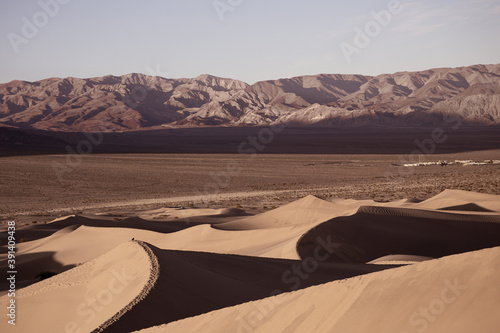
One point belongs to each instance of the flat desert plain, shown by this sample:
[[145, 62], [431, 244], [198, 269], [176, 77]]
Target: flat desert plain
[[252, 243], [38, 188]]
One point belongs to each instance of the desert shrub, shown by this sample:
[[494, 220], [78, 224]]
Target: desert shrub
[[45, 275]]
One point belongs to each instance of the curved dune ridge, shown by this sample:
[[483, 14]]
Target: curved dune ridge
[[451, 198], [153, 278], [75, 221], [193, 283], [306, 211], [387, 231], [328, 261], [458, 294], [400, 259], [87, 298]]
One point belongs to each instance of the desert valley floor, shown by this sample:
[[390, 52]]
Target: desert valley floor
[[37, 188]]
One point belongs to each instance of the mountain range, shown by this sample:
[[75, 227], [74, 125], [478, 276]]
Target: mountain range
[[138, 101]]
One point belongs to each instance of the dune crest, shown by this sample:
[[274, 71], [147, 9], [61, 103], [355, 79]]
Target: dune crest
[[450, 198], [153, 278], [88, 297], [330, 263], [308, 210], [459, 295]]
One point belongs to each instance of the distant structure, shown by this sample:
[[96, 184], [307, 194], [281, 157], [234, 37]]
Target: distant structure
[[456, 162]]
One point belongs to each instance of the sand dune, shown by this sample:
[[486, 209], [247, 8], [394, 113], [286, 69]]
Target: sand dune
[[75, 221], [189, 213], [192, 283], [399, 259], [85, 297], [453, 198], [87, 243], [272, 234], [309, 210], [177, 269], [373, 232], [456, 294]]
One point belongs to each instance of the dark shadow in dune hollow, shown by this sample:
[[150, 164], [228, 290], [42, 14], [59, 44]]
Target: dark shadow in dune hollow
[[29, 266], [374, 232], [193, 283]]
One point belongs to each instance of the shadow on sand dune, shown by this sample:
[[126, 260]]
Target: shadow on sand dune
[[29, 265], [40, 231], [192, 283], [374, 232]]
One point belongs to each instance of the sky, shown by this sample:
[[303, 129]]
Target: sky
[[249, 40]]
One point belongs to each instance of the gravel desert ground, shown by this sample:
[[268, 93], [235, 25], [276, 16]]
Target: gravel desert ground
[[32, 191]]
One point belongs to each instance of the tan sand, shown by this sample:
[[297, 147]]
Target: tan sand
[[85, 297], [456, 294], [452, 198], [307, 211], [182, 269]]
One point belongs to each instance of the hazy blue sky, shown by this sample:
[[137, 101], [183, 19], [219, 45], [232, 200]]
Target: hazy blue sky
[[249, 40]]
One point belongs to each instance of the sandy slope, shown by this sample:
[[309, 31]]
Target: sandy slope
[[64, 250], [87, 296], [195, 268], [182, 213], [365, 229], [306, 211], [272, 234], [456, 294], [453, 198], [192, 283], [374, 232]]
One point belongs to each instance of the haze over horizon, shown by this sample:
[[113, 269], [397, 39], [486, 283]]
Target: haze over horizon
[[245, 40]]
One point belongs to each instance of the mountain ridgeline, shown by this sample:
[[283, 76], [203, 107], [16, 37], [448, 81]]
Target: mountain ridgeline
[[137, 101]]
